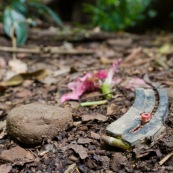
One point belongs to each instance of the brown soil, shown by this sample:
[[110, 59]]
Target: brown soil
[[80, 143]]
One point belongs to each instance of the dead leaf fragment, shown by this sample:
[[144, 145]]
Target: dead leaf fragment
[[165, 48], [19, 79], [162, 61], [95, 135], [3, 124], [105, 60], [111, 109], [97, 116], [17, 155], [71, 168], [23, 93], [132, 83], [18, 66], [2, 62], [5, 168], [132, 57], [84, 141], [80, 150]]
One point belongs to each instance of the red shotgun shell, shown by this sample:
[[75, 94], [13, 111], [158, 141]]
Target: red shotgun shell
[[145, 117]]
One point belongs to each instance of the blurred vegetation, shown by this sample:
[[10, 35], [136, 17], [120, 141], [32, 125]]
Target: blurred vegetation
[[111, 15], [17, 15]]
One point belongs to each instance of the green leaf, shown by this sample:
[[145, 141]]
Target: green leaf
[[14, 18], [7, 21], [46, 10], [21, 30], [20, 7]]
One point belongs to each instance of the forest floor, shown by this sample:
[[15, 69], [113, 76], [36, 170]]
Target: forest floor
[[150, 54]]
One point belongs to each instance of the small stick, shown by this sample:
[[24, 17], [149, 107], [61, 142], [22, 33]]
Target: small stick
[[166, 158], [53, 50]]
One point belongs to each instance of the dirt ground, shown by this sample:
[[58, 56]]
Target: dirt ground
[[80, 145]]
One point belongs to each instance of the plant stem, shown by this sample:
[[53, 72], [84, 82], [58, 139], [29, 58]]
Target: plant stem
[[101, 102], [13, 40]]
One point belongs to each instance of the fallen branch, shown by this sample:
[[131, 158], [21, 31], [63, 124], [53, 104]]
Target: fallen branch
[[166, 158], [79, 35], [53, 50]]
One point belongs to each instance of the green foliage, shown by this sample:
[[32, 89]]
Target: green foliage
[[17, 15], [12, 18], [113, 15]]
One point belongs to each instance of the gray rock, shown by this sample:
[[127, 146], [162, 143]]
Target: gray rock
[[30, 124]]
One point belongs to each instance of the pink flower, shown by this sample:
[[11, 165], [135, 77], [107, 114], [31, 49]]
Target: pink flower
[[91, 82]]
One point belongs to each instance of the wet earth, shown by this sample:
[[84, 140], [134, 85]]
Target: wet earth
[[78, 148]]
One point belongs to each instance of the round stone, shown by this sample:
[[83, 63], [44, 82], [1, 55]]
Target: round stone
[[30, 124]]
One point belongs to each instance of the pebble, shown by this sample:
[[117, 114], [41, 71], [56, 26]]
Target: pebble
[[30, 124]]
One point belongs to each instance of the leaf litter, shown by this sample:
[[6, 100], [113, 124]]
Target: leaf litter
[[84, 138]]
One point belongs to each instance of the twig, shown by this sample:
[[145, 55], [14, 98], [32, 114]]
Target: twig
[[53, 50], [166, 158]]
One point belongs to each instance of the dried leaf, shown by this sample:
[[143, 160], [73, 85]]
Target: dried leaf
[[97, 116], [162, 61], [132, 83], [95, 135], [165, 49], [80, 150], [111, 109], [71, 168], [3, 133], [84, 141], [62, 71], [23, 93], [2, 124], [132, 57], [105, 60], [18, 66], [17, 155], [2, 62], [19, 79]]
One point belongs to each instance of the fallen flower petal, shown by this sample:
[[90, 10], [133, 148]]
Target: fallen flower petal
[[70, 96], [75, 84], [116, 65], [101, 74]]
